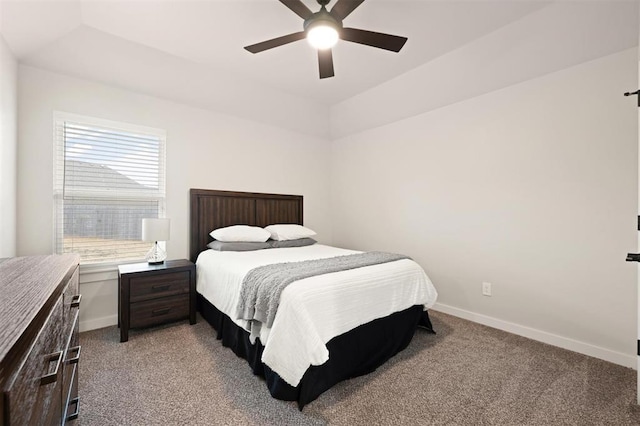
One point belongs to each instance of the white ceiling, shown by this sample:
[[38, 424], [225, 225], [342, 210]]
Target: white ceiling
[[197, 45]]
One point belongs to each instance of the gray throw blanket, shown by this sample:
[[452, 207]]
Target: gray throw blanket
[[261, 288]]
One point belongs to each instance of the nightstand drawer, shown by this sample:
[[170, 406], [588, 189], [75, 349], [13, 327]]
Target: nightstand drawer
[[154, 286], [157, 311]]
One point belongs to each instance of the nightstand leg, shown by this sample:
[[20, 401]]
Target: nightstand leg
[[124, 283], [192, 298], [119, 303]]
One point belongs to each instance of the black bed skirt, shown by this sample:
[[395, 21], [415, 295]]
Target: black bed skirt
[[357, 352]]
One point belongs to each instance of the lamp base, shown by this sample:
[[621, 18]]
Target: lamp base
[[156, 255]]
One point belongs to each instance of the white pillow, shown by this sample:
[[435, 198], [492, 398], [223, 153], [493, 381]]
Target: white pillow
[[245, 233], [289, 232]]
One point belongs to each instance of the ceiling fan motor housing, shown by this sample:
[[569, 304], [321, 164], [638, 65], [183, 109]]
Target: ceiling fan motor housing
[[322, 17]]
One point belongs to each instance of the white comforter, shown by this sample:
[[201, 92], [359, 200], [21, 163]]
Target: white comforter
[[314, 310]]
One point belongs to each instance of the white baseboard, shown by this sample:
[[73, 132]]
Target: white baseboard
[[541, 336], [95, 323], [530, 333]]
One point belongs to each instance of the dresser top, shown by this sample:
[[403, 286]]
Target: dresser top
[[27, 285]]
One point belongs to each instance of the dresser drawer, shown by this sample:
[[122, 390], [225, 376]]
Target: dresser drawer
[[71, 302], [34, 394], [156, 311], [70, 372], [159, 285]]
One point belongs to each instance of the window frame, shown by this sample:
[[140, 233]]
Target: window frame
[[59, 120]]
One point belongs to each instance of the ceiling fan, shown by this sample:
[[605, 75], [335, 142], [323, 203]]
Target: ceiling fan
[[323, 29]]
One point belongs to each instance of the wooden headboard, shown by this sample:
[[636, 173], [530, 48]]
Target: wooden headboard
[[212, 209]]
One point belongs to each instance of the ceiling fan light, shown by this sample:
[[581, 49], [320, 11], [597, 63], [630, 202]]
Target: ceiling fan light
[[322, 36]]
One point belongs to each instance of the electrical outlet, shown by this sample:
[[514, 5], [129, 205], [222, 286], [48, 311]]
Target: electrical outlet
[[486, 289]]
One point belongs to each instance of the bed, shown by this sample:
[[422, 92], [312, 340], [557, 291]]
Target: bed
[[294, 373]]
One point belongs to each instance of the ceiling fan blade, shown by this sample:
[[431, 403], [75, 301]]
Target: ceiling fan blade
[[343, 8], [325, 62], [275, 42], [298, 8], [371, 38]]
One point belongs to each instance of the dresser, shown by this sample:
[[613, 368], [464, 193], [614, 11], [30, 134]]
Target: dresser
[[151, 294], [39, 340]]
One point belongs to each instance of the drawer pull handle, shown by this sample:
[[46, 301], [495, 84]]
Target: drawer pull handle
[[75, 414], [158, 312], [161, 287], [76, 358], [52, 377], [75, 301]]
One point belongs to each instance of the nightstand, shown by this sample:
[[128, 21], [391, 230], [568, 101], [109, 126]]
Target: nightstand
[[154, 294]]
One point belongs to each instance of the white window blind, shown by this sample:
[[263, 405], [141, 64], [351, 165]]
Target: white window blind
[[107, 177]]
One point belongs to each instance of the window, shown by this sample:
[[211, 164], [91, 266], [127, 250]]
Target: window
[[107, 177]]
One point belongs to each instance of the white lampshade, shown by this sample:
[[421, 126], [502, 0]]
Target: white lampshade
[[155, 229]]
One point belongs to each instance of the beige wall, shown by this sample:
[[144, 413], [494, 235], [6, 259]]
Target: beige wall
[[204, 150], [533, 188], [8, 146]]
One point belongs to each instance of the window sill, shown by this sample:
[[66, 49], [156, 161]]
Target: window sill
[[97, 272]]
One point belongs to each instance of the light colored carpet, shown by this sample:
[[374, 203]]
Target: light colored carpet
[[467, 374]]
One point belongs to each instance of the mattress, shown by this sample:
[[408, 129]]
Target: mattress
[[314, 310]]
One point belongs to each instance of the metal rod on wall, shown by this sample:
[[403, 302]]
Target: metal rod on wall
[[636, 93]]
